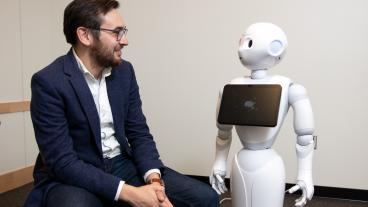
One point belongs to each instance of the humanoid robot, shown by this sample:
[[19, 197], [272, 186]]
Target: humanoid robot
[[257, 175]]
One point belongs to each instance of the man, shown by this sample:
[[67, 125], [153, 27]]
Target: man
[[95, 146]]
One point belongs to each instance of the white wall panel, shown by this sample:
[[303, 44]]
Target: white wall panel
[[42, 35], [10, 52], [36, 36], [12, 146]]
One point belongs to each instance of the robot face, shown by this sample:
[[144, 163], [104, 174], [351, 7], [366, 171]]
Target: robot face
[[262, 46]]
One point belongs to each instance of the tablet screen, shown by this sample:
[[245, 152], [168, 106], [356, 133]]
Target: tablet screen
[[250, 105]]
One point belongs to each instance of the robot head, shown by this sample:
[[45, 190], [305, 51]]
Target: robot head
[[262, 46]]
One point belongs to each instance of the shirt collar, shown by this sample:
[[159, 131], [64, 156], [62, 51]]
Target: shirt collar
[[106, 72]]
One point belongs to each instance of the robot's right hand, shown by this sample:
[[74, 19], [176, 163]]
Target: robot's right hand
[[217, 180], [302, 200]]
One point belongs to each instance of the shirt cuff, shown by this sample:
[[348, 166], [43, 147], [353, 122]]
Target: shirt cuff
[[150, 172], [120, 187]]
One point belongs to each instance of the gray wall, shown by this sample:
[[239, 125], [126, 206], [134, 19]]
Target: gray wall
[[184, 52]]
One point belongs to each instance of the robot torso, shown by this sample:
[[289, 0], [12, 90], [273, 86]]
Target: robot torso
[[257, 137]]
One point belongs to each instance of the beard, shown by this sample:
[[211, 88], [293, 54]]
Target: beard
[[105, 56]]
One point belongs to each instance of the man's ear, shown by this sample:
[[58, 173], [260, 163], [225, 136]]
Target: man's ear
[[84, 36]]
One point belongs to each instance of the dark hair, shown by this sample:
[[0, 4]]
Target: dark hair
[[85, 13]]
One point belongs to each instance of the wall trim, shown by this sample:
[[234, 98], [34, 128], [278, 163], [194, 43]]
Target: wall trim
[[12, 107], [320, 191], [15, 179]]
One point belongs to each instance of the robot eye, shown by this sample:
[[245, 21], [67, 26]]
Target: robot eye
[[250, 43]]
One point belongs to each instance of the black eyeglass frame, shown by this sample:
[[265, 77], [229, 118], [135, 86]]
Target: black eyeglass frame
[[119, 31]]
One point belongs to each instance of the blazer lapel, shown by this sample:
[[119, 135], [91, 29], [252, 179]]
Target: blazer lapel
[[85, 97], [114, 93]]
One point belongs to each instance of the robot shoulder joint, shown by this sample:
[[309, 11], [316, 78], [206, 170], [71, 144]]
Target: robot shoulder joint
[[297, 92]]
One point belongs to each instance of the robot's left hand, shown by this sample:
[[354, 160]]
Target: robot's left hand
[[307, 193], [217, 180]]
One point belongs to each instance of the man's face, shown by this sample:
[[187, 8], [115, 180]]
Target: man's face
[[106, 50]]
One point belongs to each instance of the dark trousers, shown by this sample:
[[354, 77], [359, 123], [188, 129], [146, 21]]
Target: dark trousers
[[180, 189]]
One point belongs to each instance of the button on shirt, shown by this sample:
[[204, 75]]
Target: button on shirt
[[110, 145]]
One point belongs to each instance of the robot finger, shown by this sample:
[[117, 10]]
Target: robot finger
[[222, 187], [293, 189], [298, 199], [301, 201], [215, 188], [219, 178], [225, 188], [221, 184]]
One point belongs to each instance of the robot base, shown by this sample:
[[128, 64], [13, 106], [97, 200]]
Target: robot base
[[257, 179]]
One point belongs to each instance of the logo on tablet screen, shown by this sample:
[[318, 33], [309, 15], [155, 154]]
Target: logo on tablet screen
[[250, 105]]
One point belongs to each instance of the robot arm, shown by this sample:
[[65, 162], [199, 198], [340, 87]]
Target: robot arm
[[304, 128], [223, 142]]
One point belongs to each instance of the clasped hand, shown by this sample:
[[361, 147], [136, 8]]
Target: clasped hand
[[152, 195]]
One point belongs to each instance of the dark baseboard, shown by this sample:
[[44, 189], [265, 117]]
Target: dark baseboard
[[320, 191]]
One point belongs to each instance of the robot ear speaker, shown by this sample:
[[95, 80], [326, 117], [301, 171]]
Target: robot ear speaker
[[276, 48]]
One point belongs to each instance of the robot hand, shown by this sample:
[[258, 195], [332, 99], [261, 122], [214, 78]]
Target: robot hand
[[217, 180], [307, 192], [217, 177], [304, 178]]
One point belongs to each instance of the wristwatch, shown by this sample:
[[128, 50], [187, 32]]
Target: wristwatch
[[156, 180]]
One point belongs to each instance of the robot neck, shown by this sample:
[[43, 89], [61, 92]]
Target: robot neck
[[259, 74]]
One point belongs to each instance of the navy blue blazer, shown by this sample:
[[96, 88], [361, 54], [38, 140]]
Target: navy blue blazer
[[67, 129]]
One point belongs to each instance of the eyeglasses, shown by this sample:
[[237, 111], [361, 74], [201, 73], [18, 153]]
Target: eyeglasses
[[120, 32]]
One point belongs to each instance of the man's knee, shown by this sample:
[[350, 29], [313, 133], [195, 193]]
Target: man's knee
[[70, 196], [205, 196], [210, 198]]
